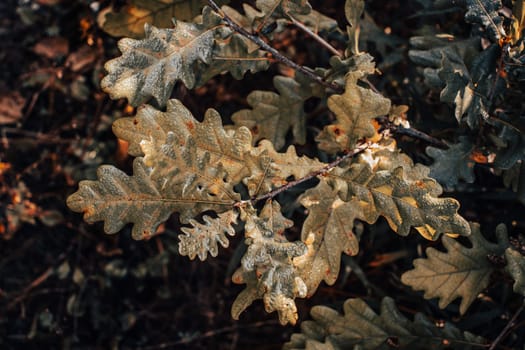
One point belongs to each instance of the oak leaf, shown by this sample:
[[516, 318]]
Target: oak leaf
[[273, 114], [460, 271], [354, 111], [201, 239], [452, 164], [516, 268], [228, 148], [174, 175], [329, 224], [485, 13], [267, 267], [129, 20], [359, 327], [387, 183]]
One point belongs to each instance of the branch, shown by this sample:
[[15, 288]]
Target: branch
[[314, 35], [507, 327], [321, 172], [411, 132], [278, 56]]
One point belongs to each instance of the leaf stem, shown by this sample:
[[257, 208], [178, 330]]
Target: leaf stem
[[315, 36], [276, 54], [321, 172]]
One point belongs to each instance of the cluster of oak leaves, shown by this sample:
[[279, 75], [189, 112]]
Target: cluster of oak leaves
[[191, 167]]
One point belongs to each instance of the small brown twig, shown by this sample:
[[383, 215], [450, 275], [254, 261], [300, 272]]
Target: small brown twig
[[411, 132], [315, 36], [507, 327], [414, 133], [324, 170], [276, 54]]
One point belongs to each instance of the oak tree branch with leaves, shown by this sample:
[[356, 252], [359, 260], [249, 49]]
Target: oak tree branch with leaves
[[225, 180]]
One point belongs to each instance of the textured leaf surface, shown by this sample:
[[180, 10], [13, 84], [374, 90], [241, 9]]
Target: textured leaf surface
[[147, 200], [459, 272], [452, 164], [209, 135], [330, 223], [386, 183], [190, 52], [176, 174], [129, 21], [201, 239], [273, 114], [149, 68], [267, 267], [270, 169], [119, 199], [234, 55], [361, 328], [485, 13], [354, 111], [516, 268]]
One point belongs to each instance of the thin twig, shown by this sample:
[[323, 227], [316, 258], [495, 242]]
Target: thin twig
[[411, 132], [324, 170], [276, 54], [507, 327], [315, 36], [419, 135]]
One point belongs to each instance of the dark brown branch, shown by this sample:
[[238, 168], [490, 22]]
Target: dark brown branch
[[276, 54], [414, 133], [507, 327], [315, 36], [411, 132], [324, 170]]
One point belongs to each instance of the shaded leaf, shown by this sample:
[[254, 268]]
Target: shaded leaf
[[354, 9], [463, 73], [329, 224], [361, 328], [233, 55], [339, 67], [273, 114], [200, 239], [511, 147], [485, 13], [459, 272], [11, 107], [429, 51], [469, 91], [267, 267], [317, 21], [452, 164], [279, 8], [516, 268], [354, 111], [129, 21]]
